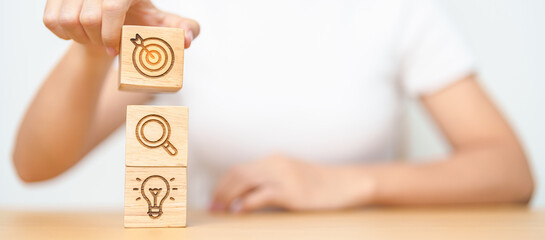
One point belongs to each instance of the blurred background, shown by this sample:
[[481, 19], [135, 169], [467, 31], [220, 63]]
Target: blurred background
[[506, 38]]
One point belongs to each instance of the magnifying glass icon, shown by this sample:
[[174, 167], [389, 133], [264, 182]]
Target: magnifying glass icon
[[155, 143]]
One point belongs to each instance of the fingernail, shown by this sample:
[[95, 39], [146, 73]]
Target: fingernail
[[236, 207], [189, 37], [190, 33], [111, 51], [216, 207]]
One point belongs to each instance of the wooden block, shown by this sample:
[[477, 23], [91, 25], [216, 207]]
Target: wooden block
[[156, 136], [155, 196], [151, 59]]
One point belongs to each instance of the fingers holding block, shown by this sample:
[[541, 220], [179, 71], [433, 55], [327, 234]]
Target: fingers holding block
[[155, 196], [151, 59], [156, 136]]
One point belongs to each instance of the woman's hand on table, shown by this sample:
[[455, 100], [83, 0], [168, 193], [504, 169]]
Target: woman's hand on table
[[282, 182], [99, 21]]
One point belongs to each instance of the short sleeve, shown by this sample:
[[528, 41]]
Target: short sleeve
[[433, 54]]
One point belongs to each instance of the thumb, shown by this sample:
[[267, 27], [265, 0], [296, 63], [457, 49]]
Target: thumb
[[190, 26]]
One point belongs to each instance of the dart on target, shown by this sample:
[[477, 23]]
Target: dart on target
[[152, 57]]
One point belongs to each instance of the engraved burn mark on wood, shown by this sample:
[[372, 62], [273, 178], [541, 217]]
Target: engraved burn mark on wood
[[163, 141]]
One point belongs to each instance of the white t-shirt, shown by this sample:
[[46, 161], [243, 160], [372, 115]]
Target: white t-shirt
[[321, 81]]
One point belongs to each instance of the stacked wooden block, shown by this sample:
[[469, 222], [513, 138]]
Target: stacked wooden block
[[151, 59]]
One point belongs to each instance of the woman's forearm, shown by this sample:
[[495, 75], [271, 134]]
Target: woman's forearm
[[486, 174], [56, 124]]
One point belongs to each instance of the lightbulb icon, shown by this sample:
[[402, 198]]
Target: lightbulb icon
[[155, 190]]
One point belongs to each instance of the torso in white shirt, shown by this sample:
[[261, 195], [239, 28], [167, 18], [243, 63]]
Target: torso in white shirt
[[320, 81]]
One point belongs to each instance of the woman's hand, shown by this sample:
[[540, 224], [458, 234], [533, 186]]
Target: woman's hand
[[281, 182], [99, 21]]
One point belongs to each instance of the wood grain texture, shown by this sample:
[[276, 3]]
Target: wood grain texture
[[147, 139], [167, 208], [491, 222], [151, 59]]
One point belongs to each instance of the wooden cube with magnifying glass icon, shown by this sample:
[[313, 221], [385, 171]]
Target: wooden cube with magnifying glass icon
[[156, 136], [155, 196], [151, 59]]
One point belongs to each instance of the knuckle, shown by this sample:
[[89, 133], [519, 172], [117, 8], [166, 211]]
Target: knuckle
[[249, 180], [90, 18], [276, 158], [68, 20], [250, 205], [267, 196], [50, 21], [112, 6], [238, 171], [285, 162], [293, 205], [242, 176]]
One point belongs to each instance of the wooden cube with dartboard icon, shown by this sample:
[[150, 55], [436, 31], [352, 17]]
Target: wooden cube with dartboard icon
[[151, 59], [155, 196], [156, 136]]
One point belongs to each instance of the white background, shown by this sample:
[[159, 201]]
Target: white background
[[507, 38]]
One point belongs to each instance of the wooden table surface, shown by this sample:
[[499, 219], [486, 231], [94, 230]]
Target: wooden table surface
[[492, 222]]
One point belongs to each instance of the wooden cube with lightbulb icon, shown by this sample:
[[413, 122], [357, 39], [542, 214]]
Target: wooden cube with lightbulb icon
[[156, 136], [151, 59], [155, 196]]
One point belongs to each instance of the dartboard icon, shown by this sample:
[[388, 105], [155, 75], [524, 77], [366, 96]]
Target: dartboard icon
[[152, 57]]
